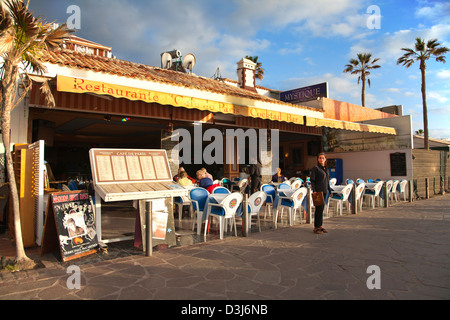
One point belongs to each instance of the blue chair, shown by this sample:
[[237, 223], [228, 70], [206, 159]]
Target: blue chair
[[292, 203], [359, 181], [72, 185], [198, 197], [221, 190], [284, 186], [270, 192], [349, 181], [225, 182], [224, 210]]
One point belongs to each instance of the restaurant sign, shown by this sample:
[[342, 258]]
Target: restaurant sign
[[305, 93], [78, 85]]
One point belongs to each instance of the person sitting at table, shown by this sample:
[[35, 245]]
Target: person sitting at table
[[184, 180], [203, 180], [278, 177], [177, 176], [207, 174]]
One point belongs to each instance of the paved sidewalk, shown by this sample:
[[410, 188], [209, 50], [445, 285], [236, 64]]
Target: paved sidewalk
[[409, 242]]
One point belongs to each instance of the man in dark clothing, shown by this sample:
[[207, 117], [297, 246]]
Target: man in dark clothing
[[255, 175]]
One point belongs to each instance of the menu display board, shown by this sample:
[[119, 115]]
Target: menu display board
[[130, 165]]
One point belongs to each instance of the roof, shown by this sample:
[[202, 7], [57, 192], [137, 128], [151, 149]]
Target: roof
[[73, 59]]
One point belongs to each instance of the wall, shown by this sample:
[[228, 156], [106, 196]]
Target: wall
[[431, 164], [372, 164]]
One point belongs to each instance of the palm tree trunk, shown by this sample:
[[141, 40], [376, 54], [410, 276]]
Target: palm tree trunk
[[8, 95], [363, 93], [425, 109]]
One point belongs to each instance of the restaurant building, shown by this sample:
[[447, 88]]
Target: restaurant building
[[104, 102]]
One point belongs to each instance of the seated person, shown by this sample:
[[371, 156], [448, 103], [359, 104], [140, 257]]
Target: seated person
[[203, 180], [177, 176], [183, 180], [207, 174], [278, 177]]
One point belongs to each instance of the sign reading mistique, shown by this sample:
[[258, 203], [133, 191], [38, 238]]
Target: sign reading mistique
[[78, 85]]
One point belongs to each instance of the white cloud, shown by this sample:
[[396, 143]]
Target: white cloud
[[444, 74]]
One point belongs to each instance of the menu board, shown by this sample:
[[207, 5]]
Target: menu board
[[129, 165]]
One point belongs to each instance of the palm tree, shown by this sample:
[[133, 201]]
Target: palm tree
[[361, 66], [23, 40], [422, 52], [259, 72]]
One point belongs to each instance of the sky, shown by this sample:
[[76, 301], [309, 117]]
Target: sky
[[298, 42]]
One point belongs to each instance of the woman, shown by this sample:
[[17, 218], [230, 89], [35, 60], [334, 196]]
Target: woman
[[320, 182], [278, 177]]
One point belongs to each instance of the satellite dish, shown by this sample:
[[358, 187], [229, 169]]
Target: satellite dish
[[189, 61], [176, 54], [166, 60]]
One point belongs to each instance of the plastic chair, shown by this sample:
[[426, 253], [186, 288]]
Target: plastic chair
[[333, 182], [255, 203], [180, 203], [198, 197], [359, 190], [341, 197], [296, 184], [221, 190], [359, 180], [292, 203], [388, 187], [224, 210], [284, 185], [373, 192], [225, 182], [403, 185], [243, 183], [349, 181], [270, 192], [394, 192]]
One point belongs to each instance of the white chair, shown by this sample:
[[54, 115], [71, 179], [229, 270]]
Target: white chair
[[388, 185], [394, 192], [296, 184], [292, 203], [271, 193], [403, 185], [373, 193], [243, 183], [333, 182], [291, 180], [180, 203], [359, 190], [341, 197], [224, 210], [255, 203], [198, 197]]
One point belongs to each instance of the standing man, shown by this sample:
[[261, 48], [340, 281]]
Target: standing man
[[255, 174]]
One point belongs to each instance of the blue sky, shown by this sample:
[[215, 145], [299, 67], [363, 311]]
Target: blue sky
[[299, 42]]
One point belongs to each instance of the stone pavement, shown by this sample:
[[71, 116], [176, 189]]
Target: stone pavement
[[409, 242]]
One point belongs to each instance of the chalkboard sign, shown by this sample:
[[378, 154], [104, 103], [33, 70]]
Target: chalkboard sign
[[70, 224], [398, 164]]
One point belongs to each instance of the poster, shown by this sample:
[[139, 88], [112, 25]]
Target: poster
[[74, 220]]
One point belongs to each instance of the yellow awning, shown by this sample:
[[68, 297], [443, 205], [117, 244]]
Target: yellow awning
[[78, 85], [346, 125]]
